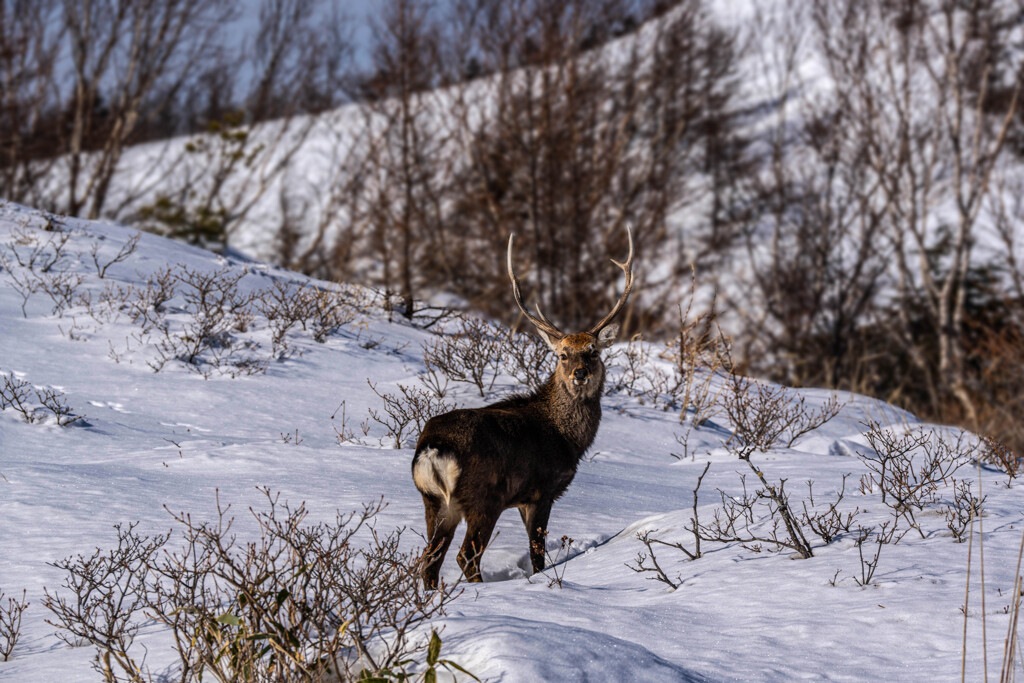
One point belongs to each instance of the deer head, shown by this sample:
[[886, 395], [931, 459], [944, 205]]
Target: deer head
[[580, 368]]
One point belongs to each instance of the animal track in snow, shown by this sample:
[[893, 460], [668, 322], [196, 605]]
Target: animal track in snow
[[117, 407]]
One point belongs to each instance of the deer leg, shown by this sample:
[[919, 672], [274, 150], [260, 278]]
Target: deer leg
[[535, 518], [479, 526], [441, 523]]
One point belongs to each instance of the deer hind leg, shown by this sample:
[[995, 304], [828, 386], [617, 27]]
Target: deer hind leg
[[479, 526], [442, 519], [535, 519]]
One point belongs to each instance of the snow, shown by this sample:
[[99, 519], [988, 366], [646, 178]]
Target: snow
[[175, 439]]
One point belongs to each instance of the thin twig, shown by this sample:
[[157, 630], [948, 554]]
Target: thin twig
[[981, 563], [1007, 672], [967, 595]]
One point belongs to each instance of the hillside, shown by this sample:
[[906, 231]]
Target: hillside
[[842, 179], [176, 438]]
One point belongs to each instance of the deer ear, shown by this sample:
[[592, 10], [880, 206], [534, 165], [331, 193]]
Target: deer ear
[[606, 337], [547, 340]]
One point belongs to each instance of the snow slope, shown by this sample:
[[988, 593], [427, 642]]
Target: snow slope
[[174, 438]]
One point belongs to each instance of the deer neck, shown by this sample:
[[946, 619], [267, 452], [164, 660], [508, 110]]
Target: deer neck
[[575, 417]]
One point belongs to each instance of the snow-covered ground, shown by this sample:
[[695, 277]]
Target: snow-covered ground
[[149, 439]]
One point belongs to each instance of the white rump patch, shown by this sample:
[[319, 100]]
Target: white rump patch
[[435, 474]]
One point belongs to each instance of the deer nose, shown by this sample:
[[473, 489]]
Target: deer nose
[[579, 373]]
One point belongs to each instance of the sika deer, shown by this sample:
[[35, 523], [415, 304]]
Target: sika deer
[[520, 452]]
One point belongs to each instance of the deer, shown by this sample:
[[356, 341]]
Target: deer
[[520, 452]]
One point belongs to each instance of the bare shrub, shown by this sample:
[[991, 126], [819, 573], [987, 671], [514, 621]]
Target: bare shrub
[[56, 404], [998, 454], [144, 305], [161, 287], [320, 310], [216, 294], [435, 380], [10, 623], [631, 364], [126, 250], [407, 412], [664, 387], [14, 393], [758, 519], [649, 382], [331, 309], [699, 353], [472, 354], [22, 280], [36, 255], [647, 562], [766, 415], [62, 288], [284, 305], [36, 265], [303, 602], [908, 468], [17, 394], [698, 397], [525, 357], [555, 564], [961, 512], [103, 598], [291, 437], [206, 340], [76, 331], [830, 522], [883, 535], [342, 432], [762, 417]]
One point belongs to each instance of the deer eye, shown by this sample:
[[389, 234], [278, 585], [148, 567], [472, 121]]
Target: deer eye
[[563, 356]]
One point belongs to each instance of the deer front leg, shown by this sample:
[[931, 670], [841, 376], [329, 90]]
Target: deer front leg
[[479, 525], [535, 518]]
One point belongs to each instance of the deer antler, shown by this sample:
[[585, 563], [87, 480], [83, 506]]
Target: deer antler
[[627, 268], [539, 320]]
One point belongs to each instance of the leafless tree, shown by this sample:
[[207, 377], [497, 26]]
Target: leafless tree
[[880, 177], [569, 138], [813, 240], [409, 164], [297, 63], [29, 44], [919, 77], [128, 59]]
